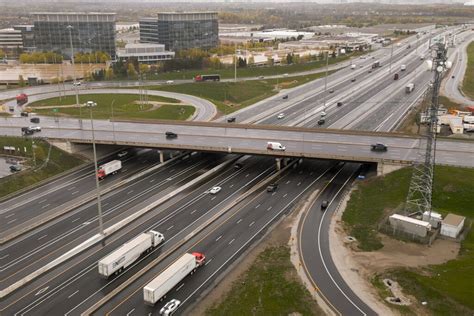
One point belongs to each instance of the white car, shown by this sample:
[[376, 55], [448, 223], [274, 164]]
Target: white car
[[76, 83], [169, 81], [170, 307], [285, 75], [280, 116], [323, 114], [35, 128], [123, 153], [215, 190]]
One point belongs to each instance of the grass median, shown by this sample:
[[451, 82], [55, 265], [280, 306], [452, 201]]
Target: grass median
[[269, 287], [447, 287], [468, 81], [124, 106], [48, 163]]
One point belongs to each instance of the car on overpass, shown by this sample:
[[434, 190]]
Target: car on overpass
[[280, 116], [171, 135], [378, 147], [215, 190]]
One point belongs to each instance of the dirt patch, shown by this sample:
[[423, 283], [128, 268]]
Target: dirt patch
[[277, 237]]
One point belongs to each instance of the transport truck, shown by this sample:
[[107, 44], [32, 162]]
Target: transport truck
[[410, 87], [158, 287], [128, 253], [21, 99], [207, 78], [112, 167]]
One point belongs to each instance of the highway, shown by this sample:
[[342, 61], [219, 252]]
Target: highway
[[75, 285]]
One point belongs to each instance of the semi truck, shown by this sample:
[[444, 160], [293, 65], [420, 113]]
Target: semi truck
[[158, 287], [207, 78], [128, 253], [112, 167], [410, 87], [21, 99]]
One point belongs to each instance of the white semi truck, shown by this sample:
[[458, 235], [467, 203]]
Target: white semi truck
[[128, 253], [112, 167], [187, 264]]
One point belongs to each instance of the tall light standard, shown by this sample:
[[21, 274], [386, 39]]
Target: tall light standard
[[326, 80], [90, 105], [69, 27], [113, 123]]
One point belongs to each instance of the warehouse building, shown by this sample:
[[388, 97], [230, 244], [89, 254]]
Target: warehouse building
[[452, 225]]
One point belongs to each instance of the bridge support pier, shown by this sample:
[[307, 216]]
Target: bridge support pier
[[162, 156], [278, 163], [384, 168]]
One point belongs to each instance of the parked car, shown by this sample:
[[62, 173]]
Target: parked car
[[378, 147], [215, 190], [324, 205], [170, 307], [280, 116], [171, 135], [15, 168], [76, 83], [231, 120], [272, 187]]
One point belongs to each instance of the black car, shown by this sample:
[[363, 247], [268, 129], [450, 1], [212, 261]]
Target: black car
[[27, 131], [353, 79], [15, 168], [324, 205], [171, 135], [378, 147], [285, 97], [24, 113], [231, 120], [272, 187], [321, 121], [35, 120], [339, 104], [331, 91]]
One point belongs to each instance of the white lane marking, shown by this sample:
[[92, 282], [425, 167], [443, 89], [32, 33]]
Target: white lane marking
[[75, 192], [42, 290], [11, 221], [9, 215], [230, 186], [288, 182], [169, 179], [124, 169], [152, 180], [105, 204], [42, 201], [269, 208], [257, 206], [285, 195], [299, 183], [251, 223], [230, 242], [179, 287], [238, 222], [311, 173], [73, 294], [274, 193], [130, 312], [193, 211], [129, 192], [75, 220], [170, 227], [4, 256], [208, 261], [42, 237], [213, 198], [44, 206], [219, 238], [71, 188], [247, 175], [86, 223]]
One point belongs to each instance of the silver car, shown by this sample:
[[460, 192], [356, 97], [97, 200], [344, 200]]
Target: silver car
[[170, 307]]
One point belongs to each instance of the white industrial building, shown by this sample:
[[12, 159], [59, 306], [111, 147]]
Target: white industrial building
[[409, 225], [452, 225], [145, 53], [433, 218]]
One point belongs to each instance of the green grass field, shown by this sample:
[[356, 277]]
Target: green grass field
[[125, 106], [230, 96], [59, 161], [448, 288], [468, 82], [268, 287]]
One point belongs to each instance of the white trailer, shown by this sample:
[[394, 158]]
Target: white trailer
[[187, 264], [112, 167], [128, 253]]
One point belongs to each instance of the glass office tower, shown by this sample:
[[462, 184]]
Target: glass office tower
[[90, 32]]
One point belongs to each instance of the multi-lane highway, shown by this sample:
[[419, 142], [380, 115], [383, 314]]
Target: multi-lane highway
[[198, 221]]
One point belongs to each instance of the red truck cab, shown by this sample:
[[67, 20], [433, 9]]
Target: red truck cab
[[21, 99], [200, 258]]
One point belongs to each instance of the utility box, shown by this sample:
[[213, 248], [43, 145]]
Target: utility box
[[409, 225], [433, 218], [452, 225]]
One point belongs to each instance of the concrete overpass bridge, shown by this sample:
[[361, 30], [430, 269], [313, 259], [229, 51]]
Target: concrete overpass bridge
[[251, 139]]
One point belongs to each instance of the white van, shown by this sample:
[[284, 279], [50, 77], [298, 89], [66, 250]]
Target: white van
[[275, 146]]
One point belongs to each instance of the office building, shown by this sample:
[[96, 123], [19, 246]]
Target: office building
[[145, 53], [27, 35], [90, 32], [181, 30], [11, 42]]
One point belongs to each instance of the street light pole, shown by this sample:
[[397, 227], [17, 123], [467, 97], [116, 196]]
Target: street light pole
[[326, 80], [90, 105], [391, 55], [69, 27], [113, 123]]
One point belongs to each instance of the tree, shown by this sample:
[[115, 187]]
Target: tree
[[242, 63], [289, 58], [21, 81], [109, 74], [131, 71], [251, 60]]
